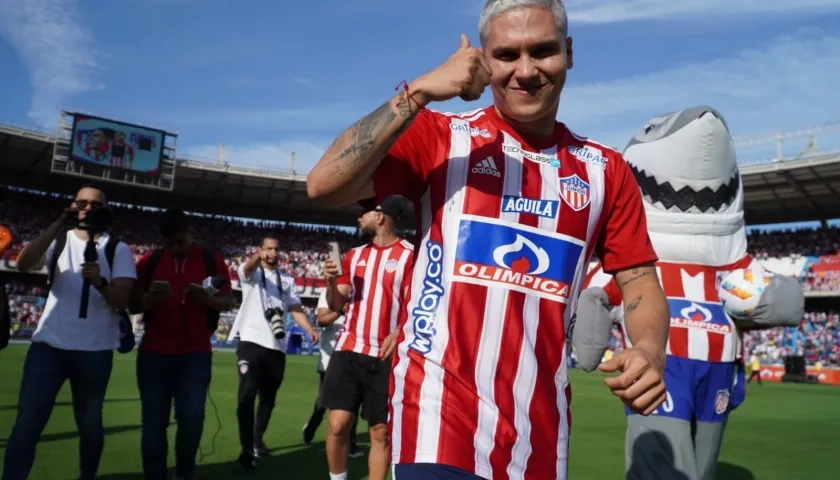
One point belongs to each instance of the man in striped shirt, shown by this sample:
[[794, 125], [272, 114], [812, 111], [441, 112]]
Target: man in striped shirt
[[372, 282], [511, 205]]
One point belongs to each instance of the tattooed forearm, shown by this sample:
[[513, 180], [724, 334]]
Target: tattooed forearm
[[632, 306], [365, 145], [635, 274]]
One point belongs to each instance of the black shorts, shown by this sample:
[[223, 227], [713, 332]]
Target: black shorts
[[354, 380]]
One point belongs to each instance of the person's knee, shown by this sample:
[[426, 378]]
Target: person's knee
[[339, 422], [379, 434]]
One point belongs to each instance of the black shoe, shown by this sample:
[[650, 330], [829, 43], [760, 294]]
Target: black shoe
[[247, 461], [260, 450], [307, 434]]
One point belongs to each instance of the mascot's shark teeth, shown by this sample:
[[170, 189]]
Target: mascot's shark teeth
[[686, 199]]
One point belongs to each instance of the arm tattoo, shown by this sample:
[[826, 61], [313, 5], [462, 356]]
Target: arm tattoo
[[633, 305], [637, 274], [363, 135]]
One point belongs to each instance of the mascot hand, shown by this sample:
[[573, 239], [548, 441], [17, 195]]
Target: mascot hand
[[592, 329], [781, 305]]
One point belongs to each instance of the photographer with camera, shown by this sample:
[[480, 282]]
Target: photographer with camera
[[76, 336], [267, 295], [181, 291]]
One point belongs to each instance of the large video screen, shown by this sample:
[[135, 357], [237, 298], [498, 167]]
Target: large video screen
[[107, 143]]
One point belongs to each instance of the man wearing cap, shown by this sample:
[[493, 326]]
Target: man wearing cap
[[372, 281]]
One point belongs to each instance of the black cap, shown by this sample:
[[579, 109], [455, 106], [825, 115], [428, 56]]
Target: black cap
[[392, 206], [172, 221]]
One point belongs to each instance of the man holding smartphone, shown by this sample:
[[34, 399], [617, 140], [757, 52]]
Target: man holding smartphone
[[267, 295], [175, 355], [373, 280], [65, 346]]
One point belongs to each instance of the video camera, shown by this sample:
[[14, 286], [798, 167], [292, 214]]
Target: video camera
[[97, 220]]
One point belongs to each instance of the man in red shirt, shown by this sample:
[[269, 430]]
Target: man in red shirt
[[373, 281], [511, 207], [175, 357]]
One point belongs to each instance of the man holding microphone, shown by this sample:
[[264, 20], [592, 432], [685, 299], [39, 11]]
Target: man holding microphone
[[267, 295]]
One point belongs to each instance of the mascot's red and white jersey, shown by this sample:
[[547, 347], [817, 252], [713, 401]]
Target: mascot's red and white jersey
[[700, 330]]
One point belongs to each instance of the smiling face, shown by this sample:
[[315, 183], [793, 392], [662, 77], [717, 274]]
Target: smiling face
[[529, 59]]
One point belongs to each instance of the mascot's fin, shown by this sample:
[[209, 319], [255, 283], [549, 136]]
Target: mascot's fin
[[592, 329], [782, 305]]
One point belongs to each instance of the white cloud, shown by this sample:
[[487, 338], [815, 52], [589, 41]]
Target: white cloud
[[265, 155], [787, 83], [611, 11], [55, 48]]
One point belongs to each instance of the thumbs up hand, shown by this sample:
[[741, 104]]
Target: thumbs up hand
[[464, 74]]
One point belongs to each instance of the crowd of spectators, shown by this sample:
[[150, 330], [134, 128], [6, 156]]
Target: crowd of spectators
[[27, 214]]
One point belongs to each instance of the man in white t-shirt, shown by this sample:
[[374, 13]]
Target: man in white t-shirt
[[331, 325], [65, 346], [267, 295]]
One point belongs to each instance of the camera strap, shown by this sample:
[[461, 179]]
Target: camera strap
[[265, 298], [61, 242]]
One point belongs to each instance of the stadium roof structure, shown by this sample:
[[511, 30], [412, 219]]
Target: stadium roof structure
[[777, 191]]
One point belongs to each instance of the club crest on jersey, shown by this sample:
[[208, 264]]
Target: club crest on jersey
[[243, 367], [512, 256], [539, 207], [721, 401], [424, 312], [517, 152], [589, 155], [701, 315], [574, 192], [391, 266], [466, 128]]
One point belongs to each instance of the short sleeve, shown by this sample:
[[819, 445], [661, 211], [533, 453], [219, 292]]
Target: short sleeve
[[124, 263], [48, 254], [141, 269], [406, 167], [222, 270], [613, 293], [290, 295], [344, 278], [322, 301], [624, 240], [240, 272]]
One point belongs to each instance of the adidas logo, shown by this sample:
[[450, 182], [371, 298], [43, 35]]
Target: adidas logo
[[487, 167]]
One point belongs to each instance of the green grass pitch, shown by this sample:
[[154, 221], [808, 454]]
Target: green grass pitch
[[783, 431]]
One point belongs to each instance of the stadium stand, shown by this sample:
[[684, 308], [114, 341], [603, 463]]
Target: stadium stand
[[810, 254]]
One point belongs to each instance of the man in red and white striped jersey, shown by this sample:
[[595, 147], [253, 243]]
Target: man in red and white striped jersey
[[373, 282], [510, 207]]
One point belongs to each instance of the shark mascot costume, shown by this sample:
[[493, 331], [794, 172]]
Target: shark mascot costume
[[684, 164]]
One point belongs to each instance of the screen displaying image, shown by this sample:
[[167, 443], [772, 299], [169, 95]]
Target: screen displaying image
[[112, 144]]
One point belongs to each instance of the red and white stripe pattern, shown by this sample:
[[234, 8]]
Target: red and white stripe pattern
[[694, 283], [377, 276], [492, 395]]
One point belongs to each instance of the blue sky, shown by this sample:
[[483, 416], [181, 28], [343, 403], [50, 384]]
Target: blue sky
[[268, 77]]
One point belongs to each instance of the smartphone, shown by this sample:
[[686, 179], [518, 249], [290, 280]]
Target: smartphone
[[161, 286], [335, 255]]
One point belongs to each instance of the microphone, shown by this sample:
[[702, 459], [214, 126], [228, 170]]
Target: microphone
[[212, 285]]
